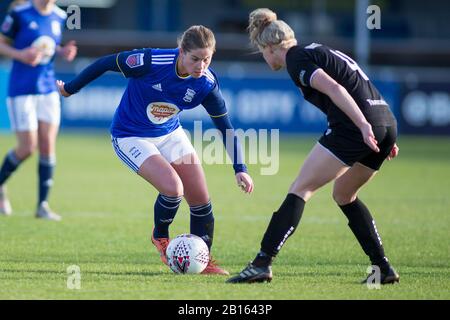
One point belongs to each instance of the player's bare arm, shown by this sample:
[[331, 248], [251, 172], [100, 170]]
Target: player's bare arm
[[322, 82]]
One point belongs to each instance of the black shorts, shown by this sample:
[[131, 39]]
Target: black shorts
[[348, 145]]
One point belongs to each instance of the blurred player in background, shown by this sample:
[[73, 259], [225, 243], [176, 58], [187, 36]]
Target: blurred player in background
[[31, 36], [361, 135], [146, 131]]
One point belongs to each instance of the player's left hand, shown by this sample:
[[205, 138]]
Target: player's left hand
[[245, 182], [394, 152], [69, 51], [62, 91]]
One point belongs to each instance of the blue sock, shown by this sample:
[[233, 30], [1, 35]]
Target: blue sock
[[10, 164], [46, 168], [202, 222], [165, 210]]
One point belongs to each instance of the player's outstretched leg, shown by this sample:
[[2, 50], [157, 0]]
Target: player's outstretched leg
[[281, 226]]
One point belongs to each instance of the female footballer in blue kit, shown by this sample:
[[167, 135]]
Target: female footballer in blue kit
[[34, 29], [361, 135], [146, 131]]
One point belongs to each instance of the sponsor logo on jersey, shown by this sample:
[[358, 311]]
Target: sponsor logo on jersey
[[135, 60], [379, 102], [161, 112], [189, 95], [47, 46]]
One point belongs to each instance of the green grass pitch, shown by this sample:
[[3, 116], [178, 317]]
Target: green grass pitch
[[107, 219]]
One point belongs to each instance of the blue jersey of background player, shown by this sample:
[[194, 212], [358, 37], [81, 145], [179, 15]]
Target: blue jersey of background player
[[146, 130], [31, 36], [30, 28]]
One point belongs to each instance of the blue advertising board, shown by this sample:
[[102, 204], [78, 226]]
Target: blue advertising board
[[425, 109], [258, 103]]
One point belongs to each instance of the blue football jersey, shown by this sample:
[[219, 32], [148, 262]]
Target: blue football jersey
[[156, 94], [26, 27]]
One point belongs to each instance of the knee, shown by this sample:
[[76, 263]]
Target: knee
[[46, 148], [173, 188], [343, 198], [25, 151], [197, 200], [301, 190]]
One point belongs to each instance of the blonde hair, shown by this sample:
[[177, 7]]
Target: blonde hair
[[197, 37], [264, 29]]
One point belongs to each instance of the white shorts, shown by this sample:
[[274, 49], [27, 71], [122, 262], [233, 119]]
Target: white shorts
[[25, 111], [133, 151]]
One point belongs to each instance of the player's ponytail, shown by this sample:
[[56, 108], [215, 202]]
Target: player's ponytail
[[264, 29], [197, 37]]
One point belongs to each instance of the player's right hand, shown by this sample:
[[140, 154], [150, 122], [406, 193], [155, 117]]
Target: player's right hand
[[31, 56], [369, 136], [62, 91], [245, 182]]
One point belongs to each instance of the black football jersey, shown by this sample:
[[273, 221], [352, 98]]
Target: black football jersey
[[303, 61]]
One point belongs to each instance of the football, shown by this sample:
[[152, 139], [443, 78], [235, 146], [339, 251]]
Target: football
[[187, 253]]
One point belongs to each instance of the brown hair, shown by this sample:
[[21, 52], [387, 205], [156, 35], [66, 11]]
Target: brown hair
[[264, 29], [197, 37]]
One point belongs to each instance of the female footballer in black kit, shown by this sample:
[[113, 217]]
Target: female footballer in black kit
[[361, 134]]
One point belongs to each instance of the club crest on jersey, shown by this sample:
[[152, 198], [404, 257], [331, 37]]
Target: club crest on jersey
[[189, 95], [135, 60], [161, 112]]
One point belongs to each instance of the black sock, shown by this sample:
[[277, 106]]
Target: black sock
[[363, 227], [165, 209], [45, 169], [10, 164], [202, 222], [262, 259], [282, 225]]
